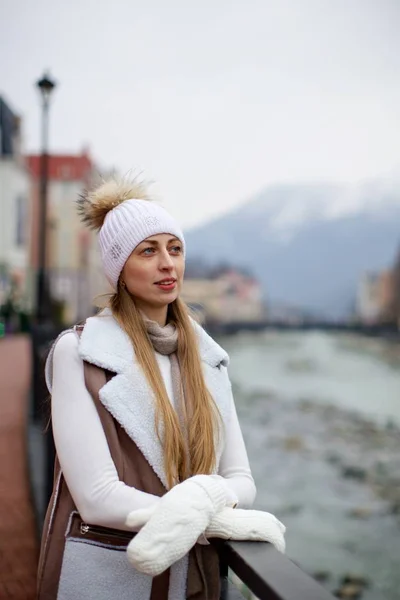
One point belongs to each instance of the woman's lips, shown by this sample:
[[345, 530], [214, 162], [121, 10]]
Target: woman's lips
[[166, 284]]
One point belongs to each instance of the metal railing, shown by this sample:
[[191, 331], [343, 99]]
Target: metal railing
[[267, 573]]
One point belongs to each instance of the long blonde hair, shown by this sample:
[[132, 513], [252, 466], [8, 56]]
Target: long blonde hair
[[202, 416], [203, 420]]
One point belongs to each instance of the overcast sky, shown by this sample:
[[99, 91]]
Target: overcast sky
[[213, 99]]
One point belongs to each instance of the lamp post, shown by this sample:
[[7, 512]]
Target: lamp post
[[46, 86], [43, 329]]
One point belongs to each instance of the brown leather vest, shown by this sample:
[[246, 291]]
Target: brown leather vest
[[133, 469]]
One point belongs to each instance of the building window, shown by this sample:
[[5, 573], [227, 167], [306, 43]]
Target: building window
[[21, 224]]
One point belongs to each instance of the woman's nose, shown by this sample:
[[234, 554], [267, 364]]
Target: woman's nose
[[166, 261]]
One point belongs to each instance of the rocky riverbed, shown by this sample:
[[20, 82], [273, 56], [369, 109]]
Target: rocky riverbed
[[334, 479], [332, 475]]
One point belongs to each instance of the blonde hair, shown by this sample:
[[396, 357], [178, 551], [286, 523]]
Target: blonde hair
[[202, 416]]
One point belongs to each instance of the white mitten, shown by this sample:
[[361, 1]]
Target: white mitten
[[172, 527], [137, 518], [247, 525]]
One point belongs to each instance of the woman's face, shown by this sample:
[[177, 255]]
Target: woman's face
[[153, 273]]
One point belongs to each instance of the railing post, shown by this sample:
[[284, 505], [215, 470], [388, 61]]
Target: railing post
[[223, 573]]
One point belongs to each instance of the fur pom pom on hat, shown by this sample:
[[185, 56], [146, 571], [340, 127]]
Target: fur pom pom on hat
[[94, 205], [124, 215]]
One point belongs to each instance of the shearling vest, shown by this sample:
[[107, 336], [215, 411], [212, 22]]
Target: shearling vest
[[85, 562]]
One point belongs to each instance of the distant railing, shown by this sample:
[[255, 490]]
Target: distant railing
[[266, 572], [388, 330]]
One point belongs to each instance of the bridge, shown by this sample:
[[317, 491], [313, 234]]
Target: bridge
[[389, 331]]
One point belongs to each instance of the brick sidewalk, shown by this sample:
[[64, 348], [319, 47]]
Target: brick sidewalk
[[18, 543]]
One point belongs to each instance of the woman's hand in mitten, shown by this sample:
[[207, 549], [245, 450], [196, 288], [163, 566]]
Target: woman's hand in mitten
[[172, 527], [137, 518], [247, 525]]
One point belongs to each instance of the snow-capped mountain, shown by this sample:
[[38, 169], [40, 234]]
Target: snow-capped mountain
[[308, 244]]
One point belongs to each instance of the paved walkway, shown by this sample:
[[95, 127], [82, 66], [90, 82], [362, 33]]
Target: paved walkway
[[18, 543]]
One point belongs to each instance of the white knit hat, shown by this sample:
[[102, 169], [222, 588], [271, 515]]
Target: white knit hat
[[126, 226]]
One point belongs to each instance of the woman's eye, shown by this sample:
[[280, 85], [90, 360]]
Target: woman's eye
[[148, 251], [176, 249]]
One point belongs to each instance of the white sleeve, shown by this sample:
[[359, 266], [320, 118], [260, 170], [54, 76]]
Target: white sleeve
[[234, 465], [82, 448]]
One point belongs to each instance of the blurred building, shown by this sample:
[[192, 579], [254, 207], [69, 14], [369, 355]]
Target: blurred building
[[386, 294], [225, 296], [14, 208], [375, 297], [72, 254]]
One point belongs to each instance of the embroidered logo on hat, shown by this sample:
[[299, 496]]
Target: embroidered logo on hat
[[115, 251], [152, 221]]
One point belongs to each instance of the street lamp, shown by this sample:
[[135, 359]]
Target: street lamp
[[46, 85], [42, 329]]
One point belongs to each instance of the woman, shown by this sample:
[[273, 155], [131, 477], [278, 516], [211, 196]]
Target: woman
[[145, 428]]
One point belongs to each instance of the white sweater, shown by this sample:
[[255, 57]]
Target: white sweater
[[82, 449]]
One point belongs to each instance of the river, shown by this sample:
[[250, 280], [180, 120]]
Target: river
[[320, 414]]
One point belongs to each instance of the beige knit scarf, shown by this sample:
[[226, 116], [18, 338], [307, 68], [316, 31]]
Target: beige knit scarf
[[165, 341]]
